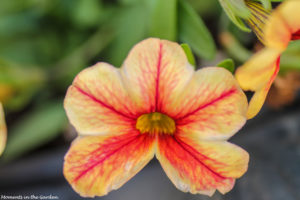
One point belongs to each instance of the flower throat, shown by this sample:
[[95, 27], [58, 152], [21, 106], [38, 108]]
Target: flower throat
[[155, 123]]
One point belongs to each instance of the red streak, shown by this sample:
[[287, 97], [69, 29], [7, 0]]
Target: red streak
[[296, 35], [191, 152], [274, 74], [102, 103], [82, 173], [178, 152], [224, 95], [157, 77]]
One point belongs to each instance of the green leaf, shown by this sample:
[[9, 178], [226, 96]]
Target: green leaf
[[193, 31], [290, 58], [232, 11], [87, 13], [129, 2], [125, 24], [206, 8], [24, 82], [163, 19], [35, 129], [80, 56], [234, 48], [227, 64], [189, 54], [239, 8], [289, 62]]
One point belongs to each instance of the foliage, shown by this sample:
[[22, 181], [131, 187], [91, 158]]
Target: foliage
[[45, 43]]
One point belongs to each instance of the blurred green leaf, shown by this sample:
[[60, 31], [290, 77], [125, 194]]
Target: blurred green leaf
[[129, 2], [234, 48], [19, 23], [163, 19], [80, 56], [193, 31], [206, 8], [14, 27], [35, 129], [129, 24], [238, 7], [19, 50], [8, 7], [87, 13], [290, 59], [189, 54], [227, 64], [289, 62], [23, 81]]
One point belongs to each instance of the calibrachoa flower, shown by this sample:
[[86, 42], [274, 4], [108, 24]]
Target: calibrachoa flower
[[2, 130], [260, 71], [156, 104]]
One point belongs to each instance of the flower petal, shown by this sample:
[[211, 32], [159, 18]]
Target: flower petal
[[95, 165], [257, 100], [154, 73], [2, 130], [97, 102], [201, 166], [212, 106], [257, 75], [284, 21]]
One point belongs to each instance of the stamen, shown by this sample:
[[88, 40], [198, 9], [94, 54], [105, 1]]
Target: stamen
[[155, 123], [258, 18]]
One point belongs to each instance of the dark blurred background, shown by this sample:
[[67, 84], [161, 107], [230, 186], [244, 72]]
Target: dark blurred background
[[45, 43]]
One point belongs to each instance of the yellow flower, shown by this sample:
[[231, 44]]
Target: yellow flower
[[2, 130], [283, 26], [260, 71], [155, 105]]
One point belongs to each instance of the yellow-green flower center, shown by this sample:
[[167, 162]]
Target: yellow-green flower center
[[156, 123]]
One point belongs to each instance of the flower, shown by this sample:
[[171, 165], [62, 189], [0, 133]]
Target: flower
[[283, 26], [2, 130], [156, 104], [260, 71], [257, 75], [249, 11]]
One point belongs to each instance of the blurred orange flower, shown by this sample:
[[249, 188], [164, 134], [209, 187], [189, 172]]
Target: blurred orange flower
[[156, 104], [260, 71], [2, 130]]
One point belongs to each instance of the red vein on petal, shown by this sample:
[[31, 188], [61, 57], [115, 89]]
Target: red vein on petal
[[197, 152], [183, 146], [120, 101], [102, 103], [82, 173], [277, 67], [223, 95], [158, 77], [127, 136]]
